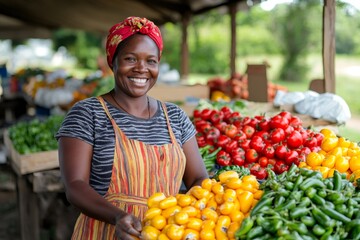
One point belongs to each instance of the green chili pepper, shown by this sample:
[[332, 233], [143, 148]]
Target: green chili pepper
[[298, 227], [297, 195], [262, 202], [283, 192], [287, 205], [318, 200], [279, 200], [335, 214], [320, 217], [298, 212], [304, 202], [322, 193], [337, 181], [341, 208], [318, 230], [289, 185], [255, 232], [298, 181], [305, 172], [312, 182], [308, 220], [310, 192], [245, 227]]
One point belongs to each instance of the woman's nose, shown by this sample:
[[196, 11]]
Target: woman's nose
[[141, 66]]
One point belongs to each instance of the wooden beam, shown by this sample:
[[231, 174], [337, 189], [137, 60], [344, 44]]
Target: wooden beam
[[232, 11], [329, 45], [184, 72]]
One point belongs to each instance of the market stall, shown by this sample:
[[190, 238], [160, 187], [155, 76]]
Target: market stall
[[221, 123]]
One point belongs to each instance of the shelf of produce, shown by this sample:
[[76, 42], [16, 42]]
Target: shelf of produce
[[29, 163]]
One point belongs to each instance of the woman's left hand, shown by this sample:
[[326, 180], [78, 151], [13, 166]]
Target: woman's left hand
[[127, 227]]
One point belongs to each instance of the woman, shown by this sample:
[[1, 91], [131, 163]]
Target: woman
[[118, 149]]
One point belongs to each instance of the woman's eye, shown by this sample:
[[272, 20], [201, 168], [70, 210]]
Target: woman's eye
[[152, 61], [130, 59]]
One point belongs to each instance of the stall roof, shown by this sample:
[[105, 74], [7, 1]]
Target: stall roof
[[20, 18]]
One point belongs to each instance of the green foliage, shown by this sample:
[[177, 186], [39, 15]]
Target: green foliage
[[85, 46]]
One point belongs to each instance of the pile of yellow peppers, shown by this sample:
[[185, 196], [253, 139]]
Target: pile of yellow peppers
[[213, 210], [337, 153]]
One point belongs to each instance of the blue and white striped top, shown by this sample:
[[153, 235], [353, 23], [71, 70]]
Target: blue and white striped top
[[88, 121]]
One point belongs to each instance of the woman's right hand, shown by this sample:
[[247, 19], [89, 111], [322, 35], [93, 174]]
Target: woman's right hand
[[127, 227]]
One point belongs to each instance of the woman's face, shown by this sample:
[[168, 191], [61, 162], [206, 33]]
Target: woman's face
[[137, 66]]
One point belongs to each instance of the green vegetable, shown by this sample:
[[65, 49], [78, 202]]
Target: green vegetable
[[335, 214], [245, 227], [312, 182]]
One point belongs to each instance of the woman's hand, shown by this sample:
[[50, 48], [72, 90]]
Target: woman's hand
[[127, 227]]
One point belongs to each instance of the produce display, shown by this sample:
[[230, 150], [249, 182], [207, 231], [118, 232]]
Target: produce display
[[213, 210], [336, 153], [36, 135], [254, 142], [301, 204]]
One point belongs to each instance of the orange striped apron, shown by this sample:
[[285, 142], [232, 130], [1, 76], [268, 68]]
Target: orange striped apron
[[139, 170]]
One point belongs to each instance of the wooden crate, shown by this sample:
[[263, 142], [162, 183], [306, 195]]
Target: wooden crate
[[29, 163]]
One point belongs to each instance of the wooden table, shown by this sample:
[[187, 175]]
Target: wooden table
[[44, 211]]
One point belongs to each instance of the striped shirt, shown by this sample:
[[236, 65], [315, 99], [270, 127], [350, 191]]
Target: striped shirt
[[88, 121]]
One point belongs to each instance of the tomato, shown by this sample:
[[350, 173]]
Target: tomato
[[234, 117], [238, 160], [319, 137], [216, 116], [264, 125], [197, 113], [263, 134], [230, 130], [311, 142], [248, 130], [295, 122], [245, 120], [291, 156], [251, 155], [286, 114], [240, 135], [277, 135], [288, 130], [280, 151], [204, 128], [220, 126], [244, 144], [280, 167], [149, 232], [199, 124], [222, 141], [227, 112], [268, 151], [212, 134], [254, 122], [257, 143], [205, 114], [294, 140], [200, 139], [263, 161], [231, 145], [278, 121], [223, 158], [158, 222]]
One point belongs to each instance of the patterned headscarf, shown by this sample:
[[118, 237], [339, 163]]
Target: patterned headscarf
[[127, 28]]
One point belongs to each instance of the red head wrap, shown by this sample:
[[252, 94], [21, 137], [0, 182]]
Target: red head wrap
[[127, 28]]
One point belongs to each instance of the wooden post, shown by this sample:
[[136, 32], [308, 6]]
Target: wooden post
[[184, 48], [28, 210], [329, 45], [233, 10]]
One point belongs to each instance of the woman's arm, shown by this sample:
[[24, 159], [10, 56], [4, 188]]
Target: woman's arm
[[195, 170], [75, 162]]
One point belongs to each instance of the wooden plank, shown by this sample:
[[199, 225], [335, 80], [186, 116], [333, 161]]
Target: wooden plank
[[329, 45], [257, 82], [28, 163], [47, 181]]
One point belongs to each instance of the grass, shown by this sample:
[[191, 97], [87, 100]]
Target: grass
[[347, 71]]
